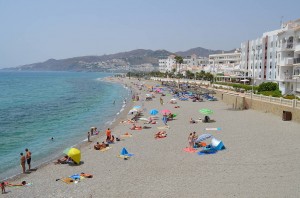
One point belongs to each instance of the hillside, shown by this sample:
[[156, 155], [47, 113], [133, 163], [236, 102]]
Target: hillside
[[136, 59]]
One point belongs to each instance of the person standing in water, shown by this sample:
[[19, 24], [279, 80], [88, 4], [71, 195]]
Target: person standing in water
[[22, 162], [28, 158]]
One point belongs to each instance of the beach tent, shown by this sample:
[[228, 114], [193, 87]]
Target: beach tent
[[217, 144], [124, 153], [74, 154]]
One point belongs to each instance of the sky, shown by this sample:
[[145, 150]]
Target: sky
[[36, 30]]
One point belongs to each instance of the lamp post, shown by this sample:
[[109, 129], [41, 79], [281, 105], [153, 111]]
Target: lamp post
[[253, 72]]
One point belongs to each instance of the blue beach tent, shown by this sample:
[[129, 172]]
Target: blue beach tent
[[124, 152], [217, 144]]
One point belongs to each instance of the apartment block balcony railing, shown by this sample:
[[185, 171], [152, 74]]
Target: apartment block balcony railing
[[287, 46], [296, 60], [287, 62]]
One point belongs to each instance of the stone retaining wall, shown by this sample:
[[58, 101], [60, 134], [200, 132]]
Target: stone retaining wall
[[241, 102]]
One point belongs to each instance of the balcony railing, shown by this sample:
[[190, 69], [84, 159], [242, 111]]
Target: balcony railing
[[287, 46], [287, 62], [296, 60]]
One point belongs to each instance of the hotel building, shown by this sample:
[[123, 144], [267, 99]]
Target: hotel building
[[274, 57]]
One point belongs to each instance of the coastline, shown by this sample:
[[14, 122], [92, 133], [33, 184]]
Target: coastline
[[81, 144], [250, 164]]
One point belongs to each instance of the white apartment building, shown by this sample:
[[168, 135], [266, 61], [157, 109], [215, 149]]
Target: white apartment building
[[224, 62], [191, 63], [166, 65], [274, 57]]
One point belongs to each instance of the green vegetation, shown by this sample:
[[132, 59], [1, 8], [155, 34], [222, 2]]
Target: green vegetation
[[238, 86], [199, 75]]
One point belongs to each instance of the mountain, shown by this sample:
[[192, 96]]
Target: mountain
[[139, 59], [199, 51]]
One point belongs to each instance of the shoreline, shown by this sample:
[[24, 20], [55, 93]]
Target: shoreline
[[250, 164], [82, 143]]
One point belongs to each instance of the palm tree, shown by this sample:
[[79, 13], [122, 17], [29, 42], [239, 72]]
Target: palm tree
[[179, 60]]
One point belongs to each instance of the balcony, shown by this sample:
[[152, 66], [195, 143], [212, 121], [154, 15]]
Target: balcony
[[297, 48], [296, 60], [287, 62], [287, 47]]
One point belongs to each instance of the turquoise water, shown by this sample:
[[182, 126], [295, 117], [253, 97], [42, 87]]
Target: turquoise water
[[36, 106]]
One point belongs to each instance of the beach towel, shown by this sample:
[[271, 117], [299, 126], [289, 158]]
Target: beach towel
[[163, 127], [126, 135], [67, 180], [190, 150], [207, 152], [160, 137], [105, 149]]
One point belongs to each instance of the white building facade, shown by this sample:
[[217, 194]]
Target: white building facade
[[167, 65], [274, 57], [191, 63], [224, 62]]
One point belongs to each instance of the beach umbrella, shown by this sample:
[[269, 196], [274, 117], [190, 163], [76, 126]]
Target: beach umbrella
[[206, 111], [203, 137], [165, 111], [153, 112], [136, 107], [132, 111], [74, 154]]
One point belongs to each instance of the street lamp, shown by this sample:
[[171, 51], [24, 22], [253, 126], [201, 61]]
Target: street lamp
[[253, 70]]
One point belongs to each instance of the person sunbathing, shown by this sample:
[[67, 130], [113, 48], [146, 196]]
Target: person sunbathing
[[23, 183], [85, 175], [102, 146], [97, 146], [62, 160], [161, 134], [192, 121], [134, 127]]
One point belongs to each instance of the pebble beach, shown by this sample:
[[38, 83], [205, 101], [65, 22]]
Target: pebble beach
[[261, 159]]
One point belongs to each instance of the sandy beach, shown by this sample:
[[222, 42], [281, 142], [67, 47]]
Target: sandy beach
[[261, 159]]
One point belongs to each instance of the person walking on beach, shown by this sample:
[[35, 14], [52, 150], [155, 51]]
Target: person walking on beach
[[161, 101], [28, 158], [22, 162], [89, 136], [108, 134], [165, 119]]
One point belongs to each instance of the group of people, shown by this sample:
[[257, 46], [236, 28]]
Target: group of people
[[192, 139], [100, 146], [25, 158]]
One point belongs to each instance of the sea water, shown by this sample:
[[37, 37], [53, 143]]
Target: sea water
[[35, 106]]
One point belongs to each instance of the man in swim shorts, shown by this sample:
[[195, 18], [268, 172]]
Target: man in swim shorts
[[28, 158]]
